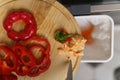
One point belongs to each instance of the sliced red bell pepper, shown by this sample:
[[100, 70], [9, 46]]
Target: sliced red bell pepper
[[39, 54], [8, 60], [26, 59], [44, 66], [39, 41], [27, 18], [8, 77]]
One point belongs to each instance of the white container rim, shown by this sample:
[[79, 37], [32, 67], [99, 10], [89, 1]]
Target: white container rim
[[112, 40]]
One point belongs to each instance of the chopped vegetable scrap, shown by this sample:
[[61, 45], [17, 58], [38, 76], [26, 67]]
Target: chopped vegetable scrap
[[74, 45], [87, 34], [62, 36]]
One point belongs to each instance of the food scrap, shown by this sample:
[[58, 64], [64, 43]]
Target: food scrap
[[62, 36], [74, 45], [87, 34]]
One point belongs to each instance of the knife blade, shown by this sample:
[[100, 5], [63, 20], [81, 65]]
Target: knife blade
[[69, 73]]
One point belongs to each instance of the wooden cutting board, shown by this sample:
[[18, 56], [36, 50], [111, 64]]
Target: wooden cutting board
[[50, 16]]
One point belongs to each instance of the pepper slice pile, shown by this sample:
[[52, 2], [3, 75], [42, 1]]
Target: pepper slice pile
[[21, 58], [27, 18]]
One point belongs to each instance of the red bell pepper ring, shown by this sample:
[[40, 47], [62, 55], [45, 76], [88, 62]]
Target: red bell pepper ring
[[39, 41], [40, 53], [8, 77], [26, 59], [30, 28], [23, 70], [45, 63], [44, 66], [8, 60]]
